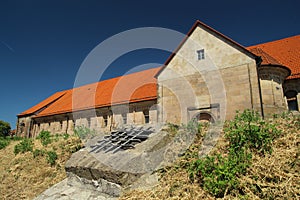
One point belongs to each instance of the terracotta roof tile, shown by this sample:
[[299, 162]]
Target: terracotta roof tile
[[286, 51], [134, 87], [43, 104], [266, 58]]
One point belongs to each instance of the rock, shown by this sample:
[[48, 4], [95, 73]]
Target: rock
[[74, 188], [105, 175]]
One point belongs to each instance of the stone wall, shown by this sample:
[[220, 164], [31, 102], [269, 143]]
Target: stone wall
[[293, 85], [271, 80], [102, 119]]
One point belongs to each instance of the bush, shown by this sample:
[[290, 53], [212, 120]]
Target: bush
[[45, 137], [219, 175], [66, 136], [172, 128], [51, 157], [247, 133], [24, 146], [83, 132], [4, 128], [38, 152], [4, 142], [193, 126], [250, 131]]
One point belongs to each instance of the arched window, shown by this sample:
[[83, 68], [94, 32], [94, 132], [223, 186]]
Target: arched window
[[291, 97]]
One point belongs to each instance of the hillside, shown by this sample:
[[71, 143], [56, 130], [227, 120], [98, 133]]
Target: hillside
[[25, 175], [253, 159], [274, 174]]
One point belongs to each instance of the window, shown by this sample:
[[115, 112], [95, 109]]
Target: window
[[146, 115], [291, 97], [201, 54]]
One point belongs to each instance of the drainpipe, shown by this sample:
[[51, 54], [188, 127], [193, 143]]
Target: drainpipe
[[258, 62]]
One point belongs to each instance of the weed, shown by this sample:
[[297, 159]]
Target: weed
[[51, 157], [249, 130], [24, 146], [4, 142], [193, 126], [172, 128], [83, 132], [247, 133], [45, 137], [66, 136], [38, 152]]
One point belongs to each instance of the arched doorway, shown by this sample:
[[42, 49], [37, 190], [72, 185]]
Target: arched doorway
[[204, 117], [291, 97]]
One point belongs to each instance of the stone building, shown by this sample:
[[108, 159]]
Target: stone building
[[208, 77]]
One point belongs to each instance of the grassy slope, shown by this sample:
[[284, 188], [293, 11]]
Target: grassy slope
[[23, 177], [273, 176]]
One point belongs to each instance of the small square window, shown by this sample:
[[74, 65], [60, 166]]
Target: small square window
[[200, 54]]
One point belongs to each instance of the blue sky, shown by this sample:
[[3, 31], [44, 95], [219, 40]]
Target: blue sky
[[43, 43]]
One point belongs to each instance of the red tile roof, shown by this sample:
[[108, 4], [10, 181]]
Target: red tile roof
[[139, 86], [266, 58], [286, 51], [43, 104]]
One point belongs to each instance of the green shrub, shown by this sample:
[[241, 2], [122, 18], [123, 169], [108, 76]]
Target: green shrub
[[193, 126], [172, 128], [51, 157], [83, 132], [218, 174], [250, 131], [4, 128], [247, 133], [66, 136], [24, 146], [4, 142], [45, 137], [16, 138], [38, 152]]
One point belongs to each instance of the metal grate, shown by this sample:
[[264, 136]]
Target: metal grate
[[122, 140]]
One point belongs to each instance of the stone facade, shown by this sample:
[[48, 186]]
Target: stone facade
[[102, 119], [291, 89], [225, 77], [271, 81]]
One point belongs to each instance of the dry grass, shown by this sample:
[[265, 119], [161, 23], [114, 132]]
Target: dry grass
[[23, 177], [174, 182], [277, 176], [274, 176]]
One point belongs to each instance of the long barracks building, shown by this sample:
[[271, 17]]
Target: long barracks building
[[208, 77]]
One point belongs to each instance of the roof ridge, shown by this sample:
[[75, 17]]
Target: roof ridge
[[274, 41]]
